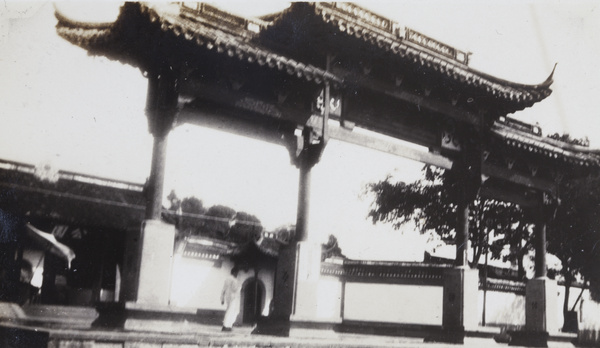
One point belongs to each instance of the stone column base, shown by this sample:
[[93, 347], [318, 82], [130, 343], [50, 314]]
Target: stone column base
[[297, 295], [461, 285], [540, 301], [540, 314], [308, 272], [148, 264]]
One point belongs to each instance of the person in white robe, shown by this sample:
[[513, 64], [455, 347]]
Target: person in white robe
[[230, 296]]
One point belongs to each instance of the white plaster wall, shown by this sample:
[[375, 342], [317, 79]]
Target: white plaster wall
[[329, 298], [198, 283], [393, 303], [502, 308], [505, 308]]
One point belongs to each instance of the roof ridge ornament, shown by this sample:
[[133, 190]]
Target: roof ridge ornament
[[550, 78]]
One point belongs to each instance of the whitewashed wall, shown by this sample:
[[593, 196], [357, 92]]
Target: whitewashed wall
[[508, 309], [329, 298], [198, 283], [393, 303]]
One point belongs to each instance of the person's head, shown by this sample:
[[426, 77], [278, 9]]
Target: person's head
[[234, 271]]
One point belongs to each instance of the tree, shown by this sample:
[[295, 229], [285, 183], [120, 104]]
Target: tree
[[574, 236], [245, 227], [431, 204], [185, 214], [218, 221]]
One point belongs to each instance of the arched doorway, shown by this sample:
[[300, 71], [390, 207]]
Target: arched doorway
[[253, 294]]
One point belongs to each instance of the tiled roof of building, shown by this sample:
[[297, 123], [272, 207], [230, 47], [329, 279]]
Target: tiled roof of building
[[44, 192], [535, 143], [418, 49], [229, 35], [201, 247]]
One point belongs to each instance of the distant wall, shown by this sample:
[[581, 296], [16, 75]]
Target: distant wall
[[197, 283], [329, 298], [407, 293], [394, 294], [410, 293], [393, 303], [507, 307], [502, 308]]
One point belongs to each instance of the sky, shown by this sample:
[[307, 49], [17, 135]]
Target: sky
[[86, 114]]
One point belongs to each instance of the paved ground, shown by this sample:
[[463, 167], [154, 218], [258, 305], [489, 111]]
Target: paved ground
[[242, 337], [74, 330], [211, 336]]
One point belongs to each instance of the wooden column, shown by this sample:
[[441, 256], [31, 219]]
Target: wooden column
[[157, 177], [161, 110], [540, 243], [146, 279], [303, 202], [462, 228], [306, 161], [461, 282], [541, 314], [298, 265]]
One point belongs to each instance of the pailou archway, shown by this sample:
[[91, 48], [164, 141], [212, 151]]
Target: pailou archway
[[314, 72]]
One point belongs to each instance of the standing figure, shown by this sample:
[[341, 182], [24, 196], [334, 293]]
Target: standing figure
[[231, 297]]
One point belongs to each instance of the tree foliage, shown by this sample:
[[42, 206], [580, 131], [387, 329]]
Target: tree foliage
[[219, 221], [574, 236], [431, 204]]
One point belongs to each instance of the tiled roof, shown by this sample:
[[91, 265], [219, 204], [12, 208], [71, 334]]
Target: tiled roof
[[44, 192], [234, 36], [420, 50], [206, 248], [177, 20], [546, 147], [214, 249]]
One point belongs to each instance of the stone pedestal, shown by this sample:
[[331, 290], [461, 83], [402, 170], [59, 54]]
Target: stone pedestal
[[148, 264], [296, 298], [307, 320], [308, 271], [541, 317], [461, 285], [540, 301], [145, 282]]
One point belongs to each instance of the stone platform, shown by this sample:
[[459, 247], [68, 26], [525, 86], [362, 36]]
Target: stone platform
[[55, 326]]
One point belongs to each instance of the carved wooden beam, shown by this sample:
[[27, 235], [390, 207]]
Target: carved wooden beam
[[499, 172], [391, 146], [283, 105], [390, 89]]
